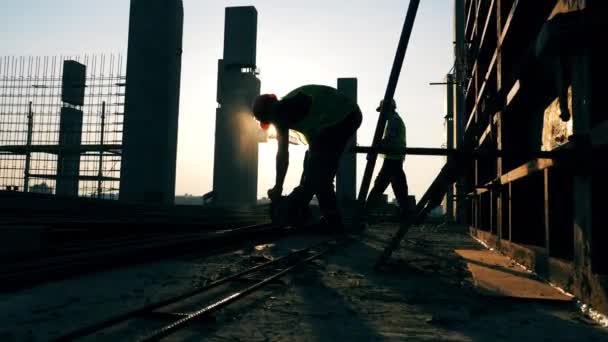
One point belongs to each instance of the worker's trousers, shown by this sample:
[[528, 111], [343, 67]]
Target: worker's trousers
[[391, 173], [321, 166]]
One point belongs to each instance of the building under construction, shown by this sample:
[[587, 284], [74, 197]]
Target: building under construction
[[528, 80], [518, 255]]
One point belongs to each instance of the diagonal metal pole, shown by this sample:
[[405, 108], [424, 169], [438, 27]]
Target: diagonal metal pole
[[389, 94]]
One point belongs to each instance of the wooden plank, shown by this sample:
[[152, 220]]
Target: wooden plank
[[513, 92], [486, 133], [469, 124], [510, 218], [475, 24], [469, 16], [481, 190], [497, 120], [485, 27], [470, 84], [508, 22], [483, 87], [527, 169], [547, 220]]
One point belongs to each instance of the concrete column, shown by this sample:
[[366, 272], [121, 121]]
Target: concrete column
[[70, 128], [235, 169], [152, 102], [346, 178]]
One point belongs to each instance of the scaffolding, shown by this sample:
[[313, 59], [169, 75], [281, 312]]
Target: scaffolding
[[32, 103]]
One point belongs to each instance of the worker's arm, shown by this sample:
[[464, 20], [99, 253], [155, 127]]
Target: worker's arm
[[282, 162], [390, 133]]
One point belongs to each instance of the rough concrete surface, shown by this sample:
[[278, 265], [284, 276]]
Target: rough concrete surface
[[425, 294]]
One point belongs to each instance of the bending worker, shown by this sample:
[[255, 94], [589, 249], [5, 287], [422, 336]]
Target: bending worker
[[392, 168], [327, 119]]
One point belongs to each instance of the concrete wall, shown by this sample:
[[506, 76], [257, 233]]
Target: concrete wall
[[152, 101]]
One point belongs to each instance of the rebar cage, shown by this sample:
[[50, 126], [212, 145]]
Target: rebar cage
[[30, 124]]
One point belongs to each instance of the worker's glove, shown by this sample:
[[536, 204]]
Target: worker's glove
[[275, 193]]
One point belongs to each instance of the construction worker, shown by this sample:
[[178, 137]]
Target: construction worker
[[327, 120], [392, 168]]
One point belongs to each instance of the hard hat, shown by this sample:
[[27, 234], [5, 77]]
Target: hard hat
[[393, 105], [262, 107]]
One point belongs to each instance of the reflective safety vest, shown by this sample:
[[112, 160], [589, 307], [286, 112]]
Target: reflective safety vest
[[329, 107], [394, 136]]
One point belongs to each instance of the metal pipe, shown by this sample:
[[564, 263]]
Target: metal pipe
[[100, 169], [388, 96], [28, 156]]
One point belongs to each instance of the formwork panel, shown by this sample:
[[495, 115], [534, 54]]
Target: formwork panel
[[31, 107], [560, 213], [527, 211]]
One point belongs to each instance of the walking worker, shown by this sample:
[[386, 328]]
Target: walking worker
[[327, 119], [392, 168]]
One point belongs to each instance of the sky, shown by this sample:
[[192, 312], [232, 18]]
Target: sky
[[299, 42]]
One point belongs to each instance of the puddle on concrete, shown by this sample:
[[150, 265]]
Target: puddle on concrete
[[264, 246]]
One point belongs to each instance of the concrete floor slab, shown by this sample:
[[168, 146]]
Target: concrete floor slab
[[497, 275], [426, 293]]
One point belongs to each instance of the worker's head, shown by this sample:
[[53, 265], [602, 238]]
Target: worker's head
[[391, 109], [264, 108]]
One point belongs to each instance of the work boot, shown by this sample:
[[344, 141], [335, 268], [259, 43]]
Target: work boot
[[300, 216], [279, 211], [405, 217]]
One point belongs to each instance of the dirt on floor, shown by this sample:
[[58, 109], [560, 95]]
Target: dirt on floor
[[426, 293]]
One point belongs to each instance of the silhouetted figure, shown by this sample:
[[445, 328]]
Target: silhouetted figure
[[327, 120], [392, 168]]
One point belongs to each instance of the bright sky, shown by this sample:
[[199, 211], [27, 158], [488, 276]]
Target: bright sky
[[299, 42]]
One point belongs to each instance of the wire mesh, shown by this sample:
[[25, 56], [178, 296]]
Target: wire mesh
[[30, 124]]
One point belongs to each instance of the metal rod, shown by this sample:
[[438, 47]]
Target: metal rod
[[388, 96], [79, 177], [150, 307], [168, 330], [28, 156], [54, 149], [100, 170]]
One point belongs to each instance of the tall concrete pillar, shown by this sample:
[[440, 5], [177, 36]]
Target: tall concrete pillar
[[70, 128], [346, 178], [152, 102], [235, 169]]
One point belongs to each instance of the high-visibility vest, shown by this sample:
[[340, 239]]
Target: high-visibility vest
[[329, 107], [394, 136]]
